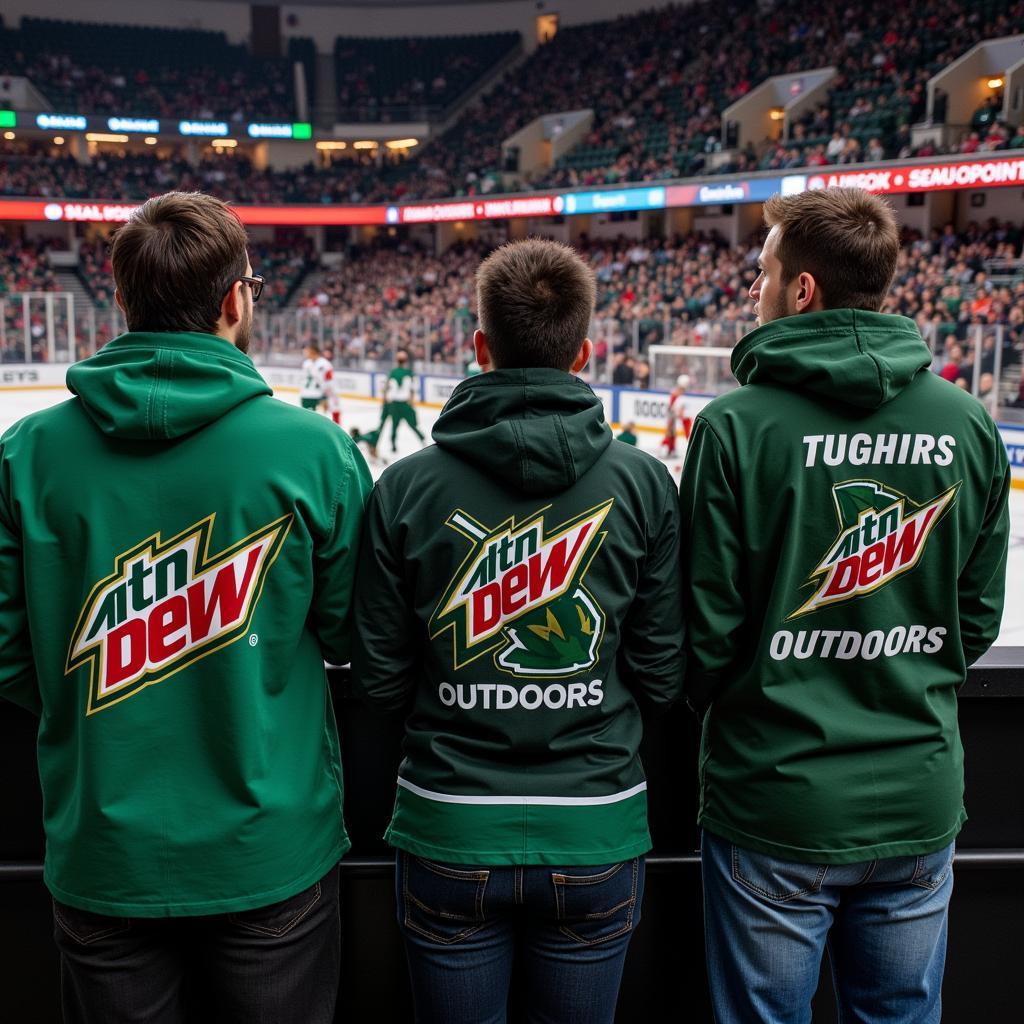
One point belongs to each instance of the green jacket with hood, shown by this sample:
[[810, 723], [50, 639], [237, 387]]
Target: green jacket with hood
[[846, 511], [176, 561], [518, 586]]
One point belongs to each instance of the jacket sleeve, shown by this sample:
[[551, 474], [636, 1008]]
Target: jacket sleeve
[[711, 561], [982, 582], [652, 635], [334, 560], [18, 681], [385, 653]]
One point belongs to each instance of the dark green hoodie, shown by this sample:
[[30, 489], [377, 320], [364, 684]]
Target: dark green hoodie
[[518, 586], [846, 512], [176, 558]]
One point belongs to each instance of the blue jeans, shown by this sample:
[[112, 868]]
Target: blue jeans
[[570, 927], [767, 922], [277, 964]]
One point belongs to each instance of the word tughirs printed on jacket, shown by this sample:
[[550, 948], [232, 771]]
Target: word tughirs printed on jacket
[[519, 595]]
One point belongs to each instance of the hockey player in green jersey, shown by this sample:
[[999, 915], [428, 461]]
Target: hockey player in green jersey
[[369, 438], [398, 392]]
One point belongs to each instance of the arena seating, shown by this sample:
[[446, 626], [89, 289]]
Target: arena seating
[[657, 92], [408, 78], [668, 114], [162, 72]]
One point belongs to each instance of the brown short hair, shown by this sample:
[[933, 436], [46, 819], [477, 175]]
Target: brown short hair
[[535, 299], [845, 238], [174, 261]]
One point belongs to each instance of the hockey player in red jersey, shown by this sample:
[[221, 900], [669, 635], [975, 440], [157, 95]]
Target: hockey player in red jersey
[[677, 419], [331, 396]]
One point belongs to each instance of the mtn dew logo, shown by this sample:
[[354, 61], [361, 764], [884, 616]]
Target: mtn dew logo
[[519, 594], [882, 535], [166, 605]]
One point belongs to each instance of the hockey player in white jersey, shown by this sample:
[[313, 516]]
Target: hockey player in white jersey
[[317, 378]]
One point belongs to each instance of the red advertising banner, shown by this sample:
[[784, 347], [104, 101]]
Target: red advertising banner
[[954, 174], [98, 211], [480, 209]]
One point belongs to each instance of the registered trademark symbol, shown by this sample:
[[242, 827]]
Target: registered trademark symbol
[[253, 639]]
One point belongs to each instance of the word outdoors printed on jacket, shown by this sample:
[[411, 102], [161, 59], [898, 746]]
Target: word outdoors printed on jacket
[[166, 605], [519, 595]]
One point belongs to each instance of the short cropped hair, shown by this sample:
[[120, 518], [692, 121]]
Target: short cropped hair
[[845, 238], [175, 260], [535, 299]]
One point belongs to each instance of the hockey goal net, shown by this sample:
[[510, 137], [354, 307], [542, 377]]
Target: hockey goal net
[[707, 368]]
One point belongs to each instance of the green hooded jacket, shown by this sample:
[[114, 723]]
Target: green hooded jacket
[[518, 586], [176, 561], [847, 518]]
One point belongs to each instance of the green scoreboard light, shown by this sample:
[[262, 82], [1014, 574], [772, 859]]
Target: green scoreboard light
[[302, 130], [8, 119]]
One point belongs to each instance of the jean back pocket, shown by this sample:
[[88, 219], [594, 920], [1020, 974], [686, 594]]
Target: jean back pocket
[[441, 902], [596, 904], [775, 879]]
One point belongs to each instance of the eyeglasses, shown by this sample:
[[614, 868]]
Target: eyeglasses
[[256, 283]]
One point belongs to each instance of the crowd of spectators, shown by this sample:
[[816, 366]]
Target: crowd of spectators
[[657, 92], [33, 170], [680, 290], [24, 266], [667, 118], [89, 68], [411, 77], [689, 290]]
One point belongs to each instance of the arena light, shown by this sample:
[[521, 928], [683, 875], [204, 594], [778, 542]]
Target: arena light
[[61, 122], [402, 143], [104, 137], [332, 145], [150, 141], [776, 113], [58, 140], [133, 124], [995, 83], [291, 130], [224, 143], [9, 136], [203, 128], [364, 144]]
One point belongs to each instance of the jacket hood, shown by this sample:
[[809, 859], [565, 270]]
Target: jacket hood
[[539, 430], [849, 355], [160, 386]]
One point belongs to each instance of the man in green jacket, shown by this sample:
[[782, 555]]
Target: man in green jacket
[[518, 591], [172, 578], [846, 512]]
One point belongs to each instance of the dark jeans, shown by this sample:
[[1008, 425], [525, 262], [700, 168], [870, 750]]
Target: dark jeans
[[273, 965], [569, 928]]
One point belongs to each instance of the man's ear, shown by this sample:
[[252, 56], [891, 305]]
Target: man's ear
[[483, 352], [117, 299], [232, 305], [808, 294], [583, 357]]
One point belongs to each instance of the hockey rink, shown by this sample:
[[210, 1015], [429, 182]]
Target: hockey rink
[[365, 415]]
